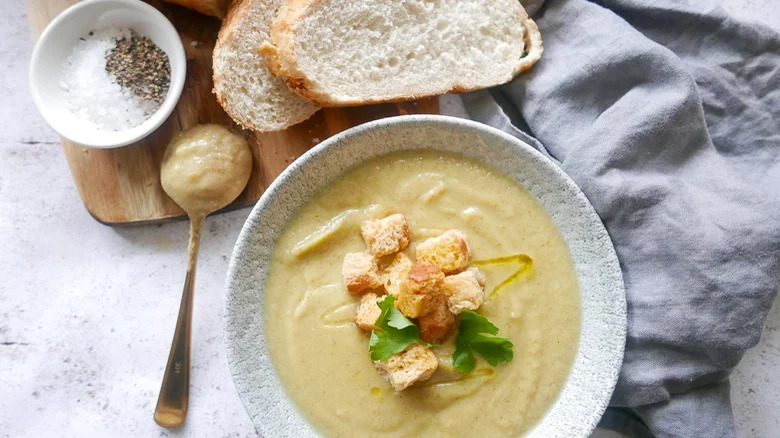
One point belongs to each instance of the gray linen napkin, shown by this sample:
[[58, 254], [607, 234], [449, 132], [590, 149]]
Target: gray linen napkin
[[667, 114]]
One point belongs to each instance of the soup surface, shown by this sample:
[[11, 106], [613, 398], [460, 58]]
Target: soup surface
[[322, 357]]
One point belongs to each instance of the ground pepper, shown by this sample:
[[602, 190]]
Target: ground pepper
[[141, 67]]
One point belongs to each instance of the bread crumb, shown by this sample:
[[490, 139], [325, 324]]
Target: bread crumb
[[360, 272], [465, 292], [368, 312], [450, 251], [436, 324], [480, 276], [415, 364], [418, 293], [386, 236], [394, 274]]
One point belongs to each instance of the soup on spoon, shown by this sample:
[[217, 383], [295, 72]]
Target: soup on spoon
[[204, 169]]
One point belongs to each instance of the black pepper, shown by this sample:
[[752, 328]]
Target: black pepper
[[140, 66]]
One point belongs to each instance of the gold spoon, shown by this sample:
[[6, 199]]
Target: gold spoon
[[204, 169]]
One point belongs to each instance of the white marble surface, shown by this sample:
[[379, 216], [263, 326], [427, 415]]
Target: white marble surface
[[87, 311]]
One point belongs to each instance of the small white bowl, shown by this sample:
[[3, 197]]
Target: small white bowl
[[56, 43]]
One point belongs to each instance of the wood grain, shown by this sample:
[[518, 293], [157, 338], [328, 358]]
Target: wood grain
[[122, 186]]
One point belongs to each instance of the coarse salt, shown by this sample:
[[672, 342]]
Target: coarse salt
[[92, 94]]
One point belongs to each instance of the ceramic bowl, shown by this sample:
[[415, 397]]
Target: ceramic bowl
[[56, 43], [603, 328]]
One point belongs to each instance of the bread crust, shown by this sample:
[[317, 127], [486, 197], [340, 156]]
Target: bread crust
[[533, 43], [236, 9], [280, 51], [282, 60], [215, 8], [230, 25]]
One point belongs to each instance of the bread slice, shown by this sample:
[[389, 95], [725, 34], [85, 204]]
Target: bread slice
[[345, 52], [248, 92], [214, 8]]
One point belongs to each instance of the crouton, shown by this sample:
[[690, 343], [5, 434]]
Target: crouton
[[368, 312], [450, 251], [436, 324], [386, 236], [464, 292], [360, 272], [415, 364], [418, 292], [480, 276], [396, 273]]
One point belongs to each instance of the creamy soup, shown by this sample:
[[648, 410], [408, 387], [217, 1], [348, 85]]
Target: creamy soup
[[205, 168], [322, 358]]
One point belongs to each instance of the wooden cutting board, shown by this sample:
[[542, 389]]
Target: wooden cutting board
[[122, 186]]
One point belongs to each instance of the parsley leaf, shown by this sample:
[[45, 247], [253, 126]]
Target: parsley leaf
[[397, 332], [471, 339]]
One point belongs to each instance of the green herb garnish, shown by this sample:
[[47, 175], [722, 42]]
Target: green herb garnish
[[397, 333], [471, 339]]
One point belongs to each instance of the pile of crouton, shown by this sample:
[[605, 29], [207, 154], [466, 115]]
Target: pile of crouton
[[431, 290]]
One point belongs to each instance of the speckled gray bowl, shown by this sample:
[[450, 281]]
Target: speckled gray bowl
[[595, 371]]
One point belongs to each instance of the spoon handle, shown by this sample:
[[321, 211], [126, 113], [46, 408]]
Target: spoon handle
[[171, 410]]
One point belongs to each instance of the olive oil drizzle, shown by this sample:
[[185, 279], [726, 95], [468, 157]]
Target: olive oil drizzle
[[485, 373], [524, 260]]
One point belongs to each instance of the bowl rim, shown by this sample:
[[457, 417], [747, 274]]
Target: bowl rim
[[177, 61], [597, 404]]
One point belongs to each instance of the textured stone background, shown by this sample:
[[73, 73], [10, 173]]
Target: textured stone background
[[87, 312]]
